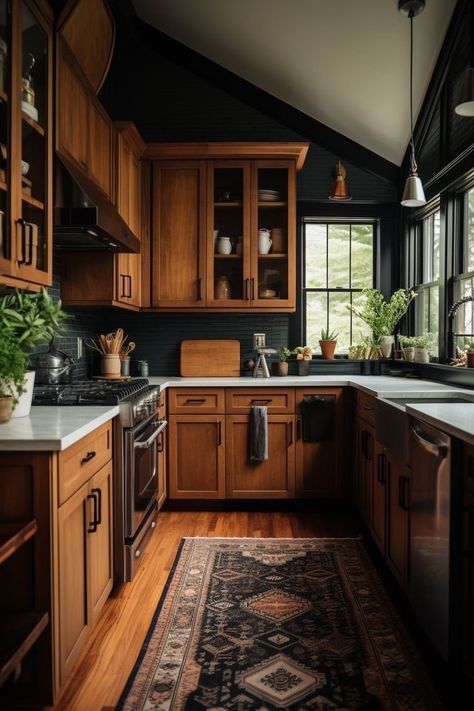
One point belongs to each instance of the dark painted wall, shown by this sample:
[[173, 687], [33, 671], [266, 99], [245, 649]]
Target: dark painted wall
[[171, 103]]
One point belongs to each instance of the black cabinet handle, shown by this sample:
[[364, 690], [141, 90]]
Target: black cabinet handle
[[252, 289], [370, 448], [87, 457], [219, 433], [247, 296], [21, 222], [298, 428], [381, 468], [93, 525], [99, 503], [122, 286], [189, 401], [129, 295], [261, 402], [403, 493], [290, 428], [199, 285]]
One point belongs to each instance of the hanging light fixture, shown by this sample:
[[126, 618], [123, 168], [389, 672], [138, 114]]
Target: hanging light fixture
[[413, 194], [339, 190], [465, 107]]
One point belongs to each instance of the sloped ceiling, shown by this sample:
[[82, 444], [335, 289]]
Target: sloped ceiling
[[342, 62]]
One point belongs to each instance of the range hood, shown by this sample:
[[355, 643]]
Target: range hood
[[84, 220]]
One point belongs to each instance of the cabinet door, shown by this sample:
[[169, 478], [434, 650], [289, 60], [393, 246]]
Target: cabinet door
[[100, 541], [179, 229], [100, 146], [378, 515], [273, 208], [196, 456], [162, 452], [74, 519], [365, 469], [468, 577], [318, 464], [271, 479], [228, 234], [396, 550], [124, 158], [134, 211], [72, 102]]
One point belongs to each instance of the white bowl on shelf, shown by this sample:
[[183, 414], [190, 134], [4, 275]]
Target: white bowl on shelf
[[24, 167]]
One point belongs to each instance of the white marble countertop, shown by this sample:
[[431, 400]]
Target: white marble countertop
[[51, 428], [56, 428]]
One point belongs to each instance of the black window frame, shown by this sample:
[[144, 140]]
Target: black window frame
[[460, 248]]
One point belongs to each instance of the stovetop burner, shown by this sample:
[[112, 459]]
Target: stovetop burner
[[87, 392]]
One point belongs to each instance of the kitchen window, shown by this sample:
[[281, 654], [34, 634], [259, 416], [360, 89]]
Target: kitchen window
[[338, 262], [464, 281], [428, 231]]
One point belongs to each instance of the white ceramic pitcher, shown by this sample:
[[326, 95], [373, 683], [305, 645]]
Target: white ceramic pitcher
[[264, 241]]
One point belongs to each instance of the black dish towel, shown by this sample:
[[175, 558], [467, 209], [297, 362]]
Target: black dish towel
[[319, 418], [258, 434]]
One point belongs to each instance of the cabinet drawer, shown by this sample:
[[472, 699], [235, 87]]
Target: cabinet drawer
[[198, 400], [279, 401], [81, 460], [366, 406]]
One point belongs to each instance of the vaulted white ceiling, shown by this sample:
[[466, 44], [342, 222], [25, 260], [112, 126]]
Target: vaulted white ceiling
[[342, 62]]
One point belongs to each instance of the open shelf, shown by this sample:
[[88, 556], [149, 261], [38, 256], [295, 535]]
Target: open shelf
[[3, 96], [18, 633], [32, 201], [272, 203], [13, 535], [31, 122], [229, 203]]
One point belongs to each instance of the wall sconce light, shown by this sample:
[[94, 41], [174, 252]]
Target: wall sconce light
[[339, 189]]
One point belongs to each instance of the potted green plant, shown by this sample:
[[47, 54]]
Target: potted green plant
[[383, 316], [13, 363], [408, 349], [32, 319], [328, 343], [419, 345], [303, 357], [282, 365]]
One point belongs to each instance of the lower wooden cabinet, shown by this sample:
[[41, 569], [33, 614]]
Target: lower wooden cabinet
[[378, 516], [397, 543], [196, 458], [270, 479], [319, 464], [85, 574], [364, 470]]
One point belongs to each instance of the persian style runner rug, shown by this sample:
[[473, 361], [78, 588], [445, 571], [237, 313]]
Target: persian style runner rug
[[265, 624]]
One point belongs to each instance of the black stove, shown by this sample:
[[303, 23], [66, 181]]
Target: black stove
[[90, 392]]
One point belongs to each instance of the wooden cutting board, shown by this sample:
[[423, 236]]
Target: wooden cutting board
[[210, 358]]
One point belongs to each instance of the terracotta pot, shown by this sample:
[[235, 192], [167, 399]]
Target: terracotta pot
[[327, 349], [409, 353], [282, 368], [470, 359], [6, 406]]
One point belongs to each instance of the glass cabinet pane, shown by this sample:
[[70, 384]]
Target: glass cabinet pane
[[228, 234], [5, 96], [271, 240], [34, 146]]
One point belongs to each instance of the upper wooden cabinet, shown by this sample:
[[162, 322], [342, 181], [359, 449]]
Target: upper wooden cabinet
[[228, 218], [129, 148], [26, 129], [100, 146], [88, 28]]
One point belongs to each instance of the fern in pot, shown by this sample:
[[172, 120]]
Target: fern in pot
[[31, 319]]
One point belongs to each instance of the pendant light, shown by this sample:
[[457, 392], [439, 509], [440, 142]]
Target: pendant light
[[413, 194], [339, 190], [465, 106]]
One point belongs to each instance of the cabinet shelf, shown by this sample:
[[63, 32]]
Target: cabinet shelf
[[13, 535], [230, 203], [274, 255], [32, 201], [3, 96], [227, 256], [272, 203], [18, 633], [31, 122]]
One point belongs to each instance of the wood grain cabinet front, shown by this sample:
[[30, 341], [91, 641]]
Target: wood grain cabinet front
[[196, 401], [196, 456], [273, 478], [398, 519]]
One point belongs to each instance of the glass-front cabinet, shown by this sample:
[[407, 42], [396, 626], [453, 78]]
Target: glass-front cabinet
[[251, 224], [25, 143]]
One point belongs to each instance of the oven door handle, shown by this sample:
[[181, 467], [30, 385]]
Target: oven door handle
[[144, 444]]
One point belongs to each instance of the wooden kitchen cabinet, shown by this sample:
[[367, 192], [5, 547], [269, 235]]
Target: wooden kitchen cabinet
[[319, 464], [398, 519], [179, 234], [198, 199], [270, 479], [364, 473], [72, 110], [85, 569], [99, 161], [196, 456], [26, 130], [467, 542], [378, 516]]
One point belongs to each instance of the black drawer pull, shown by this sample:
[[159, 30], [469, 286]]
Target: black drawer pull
[[195, 402], [87, 457], [93, 525], [261, 402], [99, 503]]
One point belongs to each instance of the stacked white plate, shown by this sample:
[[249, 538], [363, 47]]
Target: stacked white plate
[[268, 195]]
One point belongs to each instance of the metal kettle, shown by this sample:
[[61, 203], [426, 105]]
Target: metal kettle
[[52, 367]]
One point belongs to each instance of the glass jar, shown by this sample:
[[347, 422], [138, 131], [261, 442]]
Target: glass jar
[[143, 369]]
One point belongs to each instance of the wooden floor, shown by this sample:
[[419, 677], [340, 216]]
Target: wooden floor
[[101, 672]]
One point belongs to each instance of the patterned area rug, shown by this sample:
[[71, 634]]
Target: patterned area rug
[[262, 624]]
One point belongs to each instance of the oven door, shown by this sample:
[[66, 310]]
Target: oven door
[[141, 479]]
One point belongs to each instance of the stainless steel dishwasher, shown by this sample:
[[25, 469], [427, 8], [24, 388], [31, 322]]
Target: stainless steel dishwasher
[[430, 525]]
